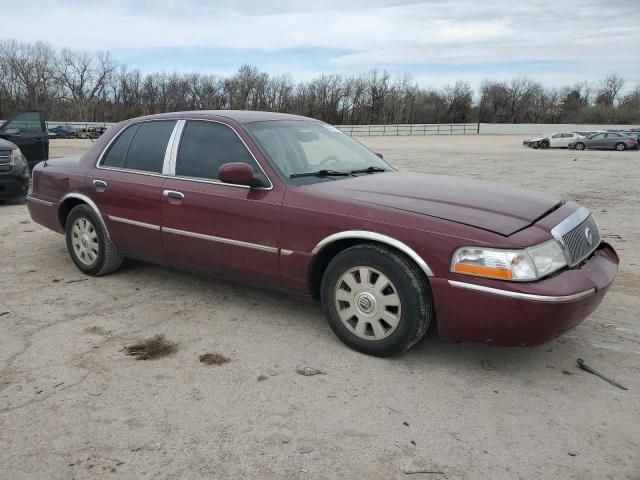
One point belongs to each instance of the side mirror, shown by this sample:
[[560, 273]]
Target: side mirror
[[237, 173], [379, 155]]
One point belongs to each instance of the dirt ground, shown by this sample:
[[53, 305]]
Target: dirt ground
[[76, 403]]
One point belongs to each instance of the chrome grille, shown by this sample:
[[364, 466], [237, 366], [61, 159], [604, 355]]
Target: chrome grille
[[5, 161], [579, 236]]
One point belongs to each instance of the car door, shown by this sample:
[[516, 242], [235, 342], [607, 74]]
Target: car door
[[28, 132], [226, 229], [596, 141], [556, 140], [566, 139], [126, 185]]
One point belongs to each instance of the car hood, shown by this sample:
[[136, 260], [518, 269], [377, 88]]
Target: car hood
[[490, 206], [6, 145]]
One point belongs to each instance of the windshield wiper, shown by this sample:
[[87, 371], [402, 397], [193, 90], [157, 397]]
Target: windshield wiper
[[320, 173], [369, 170]]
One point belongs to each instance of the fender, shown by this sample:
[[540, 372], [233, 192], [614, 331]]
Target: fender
[[93, 206], [376, 237]]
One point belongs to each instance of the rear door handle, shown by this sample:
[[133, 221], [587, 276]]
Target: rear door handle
[[173, 194], [100, 184]]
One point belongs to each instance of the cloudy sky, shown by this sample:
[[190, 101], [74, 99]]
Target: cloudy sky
[[437, 42]]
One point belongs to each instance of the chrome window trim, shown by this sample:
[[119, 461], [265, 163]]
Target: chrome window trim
[[91, 204], [376, 237], [228, 241], [284, 251], [174, 141], [170, 153], [117, 135], [524, 296], [134, 222], [38, 200]]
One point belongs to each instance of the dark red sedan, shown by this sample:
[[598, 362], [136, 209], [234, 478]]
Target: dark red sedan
[[294, 204]]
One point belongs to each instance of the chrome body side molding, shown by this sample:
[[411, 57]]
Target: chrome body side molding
[[134, 222], [228, 241], [376, 237], [524, 296], [40, 201]]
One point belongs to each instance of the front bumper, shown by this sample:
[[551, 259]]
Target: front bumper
[[519, 314], [14, 182]]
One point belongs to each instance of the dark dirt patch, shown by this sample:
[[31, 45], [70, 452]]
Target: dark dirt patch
[[151, 348], [213, 359], [262, 378]]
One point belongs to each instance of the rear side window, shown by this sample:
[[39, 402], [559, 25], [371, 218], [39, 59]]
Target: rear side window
[[141, 147], [206, 146]]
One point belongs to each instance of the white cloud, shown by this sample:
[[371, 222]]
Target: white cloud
[[373, 33]]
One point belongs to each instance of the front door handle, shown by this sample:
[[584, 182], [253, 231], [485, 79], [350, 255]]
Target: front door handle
[[173, 194], [100, 184]]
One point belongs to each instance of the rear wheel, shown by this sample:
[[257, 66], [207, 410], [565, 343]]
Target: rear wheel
[[620, 146], [376, 300], [579, 146], [87, 243]]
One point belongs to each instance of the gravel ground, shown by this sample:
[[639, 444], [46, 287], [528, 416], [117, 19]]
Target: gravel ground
[[73, 404]]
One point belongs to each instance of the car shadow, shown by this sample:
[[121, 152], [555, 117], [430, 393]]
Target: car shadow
[[428, 354], [21, 200]]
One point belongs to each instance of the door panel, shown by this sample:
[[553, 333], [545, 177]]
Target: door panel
[[31, 136], [131, 207], [556, 140], [224, 229], [129, 198]]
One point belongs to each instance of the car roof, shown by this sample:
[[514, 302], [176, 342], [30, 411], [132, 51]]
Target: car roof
[[239, 116]]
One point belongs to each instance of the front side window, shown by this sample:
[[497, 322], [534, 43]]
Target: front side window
[[207, 146], [140, 147], [27, 122]]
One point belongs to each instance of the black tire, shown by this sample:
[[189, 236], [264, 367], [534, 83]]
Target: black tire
[[620, 147], [107, 259], [416, 304], [579, 146], [544, 145]]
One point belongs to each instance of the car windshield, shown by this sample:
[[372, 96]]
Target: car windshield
[[308, 149]]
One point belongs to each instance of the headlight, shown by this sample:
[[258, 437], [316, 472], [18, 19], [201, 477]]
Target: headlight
[[16, 157], [519, 265]]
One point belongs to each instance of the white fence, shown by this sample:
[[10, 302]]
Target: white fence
[[410, 129], [430, 128]]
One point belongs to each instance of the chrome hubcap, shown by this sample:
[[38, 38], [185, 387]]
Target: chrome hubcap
[[367, 303], [84, 240]]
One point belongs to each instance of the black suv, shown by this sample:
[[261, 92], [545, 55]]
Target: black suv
[[24, 141]]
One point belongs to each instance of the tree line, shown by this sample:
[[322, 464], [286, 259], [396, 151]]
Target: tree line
[[71, 85]]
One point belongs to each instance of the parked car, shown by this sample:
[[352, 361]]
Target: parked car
[[294, 204], [14, 171], [63, 131], [605, 141], [553, 140], [27, 130]]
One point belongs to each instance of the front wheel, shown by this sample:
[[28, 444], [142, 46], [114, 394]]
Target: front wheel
[[376, 300], [544, 145], [579, 146], [620, 146], [87, 243]]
